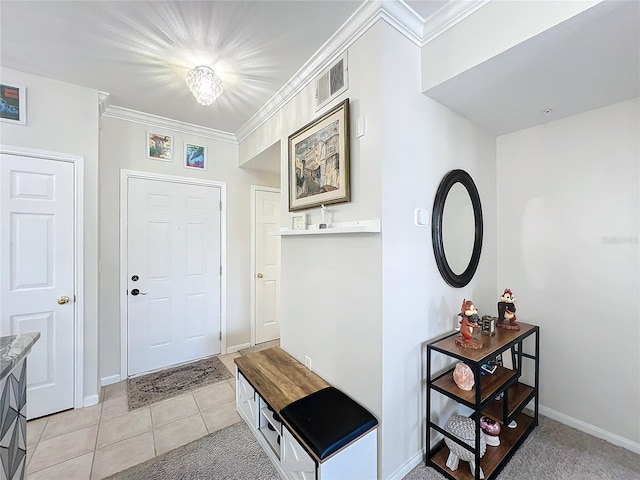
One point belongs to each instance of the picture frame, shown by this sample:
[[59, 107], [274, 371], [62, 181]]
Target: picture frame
[[299, 221], [13, 104], [159, 146], [319, 161], [195, 156]]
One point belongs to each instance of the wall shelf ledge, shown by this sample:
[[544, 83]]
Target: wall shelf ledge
[[359, 226]]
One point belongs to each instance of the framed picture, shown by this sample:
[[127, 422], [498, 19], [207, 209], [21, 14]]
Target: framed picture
[[299, 221], [195, 156], [319, 161], [13, 104], [159, 146]]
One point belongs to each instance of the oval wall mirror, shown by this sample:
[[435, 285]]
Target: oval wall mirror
[[456, 228]]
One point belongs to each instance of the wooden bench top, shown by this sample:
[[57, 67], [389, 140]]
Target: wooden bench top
[[278, 377]]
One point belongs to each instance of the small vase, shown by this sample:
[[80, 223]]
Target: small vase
[[463, 376]]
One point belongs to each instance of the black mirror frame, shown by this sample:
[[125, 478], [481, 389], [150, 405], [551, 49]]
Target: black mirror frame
[[450, 179]]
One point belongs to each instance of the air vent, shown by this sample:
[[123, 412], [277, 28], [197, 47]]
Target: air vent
[[332, 82]]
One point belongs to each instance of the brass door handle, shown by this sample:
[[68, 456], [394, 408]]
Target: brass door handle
[[62, 300], [260, 275]]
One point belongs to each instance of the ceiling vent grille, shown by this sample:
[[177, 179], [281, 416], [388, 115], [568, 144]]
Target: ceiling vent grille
[[332, 82]]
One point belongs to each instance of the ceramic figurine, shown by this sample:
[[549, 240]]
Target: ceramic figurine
[[491, 430], [469, 321], [465, 429], [507, 311]]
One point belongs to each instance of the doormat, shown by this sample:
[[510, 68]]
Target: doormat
[[171, 382]]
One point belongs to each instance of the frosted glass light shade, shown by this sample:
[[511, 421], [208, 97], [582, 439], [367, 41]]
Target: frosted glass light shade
[[205, 85]]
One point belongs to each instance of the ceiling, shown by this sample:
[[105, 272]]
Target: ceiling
[[586, 62], [140, 51]]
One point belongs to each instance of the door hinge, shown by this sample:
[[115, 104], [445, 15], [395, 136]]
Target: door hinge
[[220, 335], [220, 269], [74, 299], [220, 206]]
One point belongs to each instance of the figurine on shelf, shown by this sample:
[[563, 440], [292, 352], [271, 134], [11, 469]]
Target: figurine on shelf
[[469, 321], [507, 311]]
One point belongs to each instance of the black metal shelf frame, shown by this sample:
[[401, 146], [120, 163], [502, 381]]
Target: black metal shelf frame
[[517, 354]]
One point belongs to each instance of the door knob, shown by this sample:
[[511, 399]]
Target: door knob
[[62, 300], [260, 275], [135, 292]]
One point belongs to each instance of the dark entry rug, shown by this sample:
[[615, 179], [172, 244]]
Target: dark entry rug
[[171, 382]]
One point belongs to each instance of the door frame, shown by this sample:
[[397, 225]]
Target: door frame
[[125, 175], [254, 190], [78, 256]]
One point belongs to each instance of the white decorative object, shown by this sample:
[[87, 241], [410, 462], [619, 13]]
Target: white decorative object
[[298, 221], [323, 217], [465, 429], [205, 85], [463, 376]]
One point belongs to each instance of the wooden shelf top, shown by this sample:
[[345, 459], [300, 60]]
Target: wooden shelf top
[[278, 377], [490, 345]]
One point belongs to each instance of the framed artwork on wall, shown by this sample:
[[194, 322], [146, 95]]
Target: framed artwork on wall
[[13, 104], [195, 156], [319, 161], [159, 146]]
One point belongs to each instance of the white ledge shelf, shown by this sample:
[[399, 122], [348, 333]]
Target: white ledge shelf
[[360, 226]]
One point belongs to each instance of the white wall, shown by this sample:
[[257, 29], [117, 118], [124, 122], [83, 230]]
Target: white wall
[[421, 142], [568, 209], [122, 146], [63, 118], [489, 31], [331, 285]]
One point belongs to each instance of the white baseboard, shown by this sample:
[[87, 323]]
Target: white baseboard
[[104, 381], [591, 429], [235, 348], [409, 465], [91, 400]]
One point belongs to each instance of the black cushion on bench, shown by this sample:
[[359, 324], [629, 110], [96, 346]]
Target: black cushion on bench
[[327, 420]]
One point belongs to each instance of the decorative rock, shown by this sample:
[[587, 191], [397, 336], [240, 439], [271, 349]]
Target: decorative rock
[[463, 376], [465, 429]]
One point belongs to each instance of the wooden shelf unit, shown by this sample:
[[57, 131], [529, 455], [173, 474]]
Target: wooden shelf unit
[[482, 398]]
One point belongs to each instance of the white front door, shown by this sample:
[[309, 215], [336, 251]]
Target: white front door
[[173, 273], [37, 254], [267, 266]]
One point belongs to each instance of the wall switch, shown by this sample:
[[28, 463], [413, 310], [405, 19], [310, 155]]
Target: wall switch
[[307, 362], [361, 126], [421, 217]]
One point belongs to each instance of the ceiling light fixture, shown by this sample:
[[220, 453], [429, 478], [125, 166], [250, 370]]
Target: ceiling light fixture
[[205, 85]]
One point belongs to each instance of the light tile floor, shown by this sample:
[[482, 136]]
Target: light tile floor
[[95, 442]]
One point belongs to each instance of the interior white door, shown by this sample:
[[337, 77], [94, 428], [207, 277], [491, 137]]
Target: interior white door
[[173, 275], [37, 254], [267, 255]]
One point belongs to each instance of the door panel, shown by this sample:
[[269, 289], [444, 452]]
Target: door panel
[[37, 254], [267, 308], [173, 246]]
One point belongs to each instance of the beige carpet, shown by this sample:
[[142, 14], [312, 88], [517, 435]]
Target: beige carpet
[[171, 382]]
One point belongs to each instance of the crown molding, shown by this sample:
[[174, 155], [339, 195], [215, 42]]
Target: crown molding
[[103, 101], [396, 13], [404, 19], [361, 20], [129, 115], [451, 13]]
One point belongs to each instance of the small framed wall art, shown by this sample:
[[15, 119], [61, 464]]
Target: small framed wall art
[[298, 221], [13, 104], [195, 156], [159, 146]]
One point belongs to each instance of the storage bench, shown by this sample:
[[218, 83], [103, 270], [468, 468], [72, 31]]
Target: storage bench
[[309, 429]]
